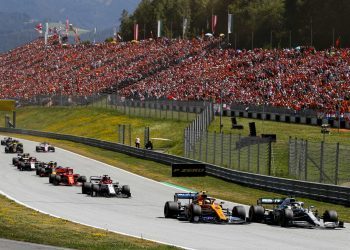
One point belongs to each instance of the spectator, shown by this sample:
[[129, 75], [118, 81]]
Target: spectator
[[137, 142]]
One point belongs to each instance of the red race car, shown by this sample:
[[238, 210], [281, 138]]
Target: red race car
[[65, 176]]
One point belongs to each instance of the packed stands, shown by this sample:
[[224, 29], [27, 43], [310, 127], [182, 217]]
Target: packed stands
[[197, 69]]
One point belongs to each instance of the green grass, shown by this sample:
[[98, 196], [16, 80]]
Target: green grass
[[101, 123], [20, 223]]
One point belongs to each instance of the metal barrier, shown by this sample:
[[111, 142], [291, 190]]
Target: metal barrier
[[322, 192]]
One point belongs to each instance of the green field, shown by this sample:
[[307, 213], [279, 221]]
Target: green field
[[101, 123]]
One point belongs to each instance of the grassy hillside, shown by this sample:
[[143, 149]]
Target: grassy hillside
[[101, 123]]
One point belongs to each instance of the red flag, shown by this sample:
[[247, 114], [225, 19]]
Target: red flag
[[214, 21], [136, 32], [337, 43], [39, 28]]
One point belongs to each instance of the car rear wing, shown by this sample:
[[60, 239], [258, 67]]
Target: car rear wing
[[95, 178], [182, 196], [270, 201]]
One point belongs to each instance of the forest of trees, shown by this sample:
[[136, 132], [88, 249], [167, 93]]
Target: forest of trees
[[256, 23]]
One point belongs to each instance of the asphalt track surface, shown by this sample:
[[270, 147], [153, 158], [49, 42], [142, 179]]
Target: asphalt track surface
[[18, 245], [142, 215]]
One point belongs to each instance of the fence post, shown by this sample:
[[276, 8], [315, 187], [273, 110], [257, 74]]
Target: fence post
[[289, 154], [295, 156], [194, 145], [300, 158], [336, 181], [239, 153], [258, 160], [123, 134], [129, 134], [222, 149], [248, 159], [172, 110], [200, 146], [306, 156], [214, 147], [270, 158], [229, 151], [321, 162], [206, 146]]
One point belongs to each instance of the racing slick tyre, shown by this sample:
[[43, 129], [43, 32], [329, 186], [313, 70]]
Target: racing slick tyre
[[126, 190], [14, 161], [285, 217], [194, 212], [239, 211], [57, 180], [95, 189], [86, 188], [37, 149], [330, 216], [37, 171], [42, 172], [51, 178], [6, 149], [21, 166], [171, 209], [82, 179], [256, 213]]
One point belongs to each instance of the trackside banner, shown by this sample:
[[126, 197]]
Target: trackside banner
[[7, 105], [188, 169]]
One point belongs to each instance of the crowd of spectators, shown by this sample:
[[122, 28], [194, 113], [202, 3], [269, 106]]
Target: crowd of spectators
[[84, 69], [298, 78], [293, 78]]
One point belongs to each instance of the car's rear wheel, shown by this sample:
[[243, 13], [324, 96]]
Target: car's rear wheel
[[194, 212], [330, 216], [171, 209], [95, 189], [239, 211], [256, 213], [57, 180], [126, 190], [81, 179], [286, 217]]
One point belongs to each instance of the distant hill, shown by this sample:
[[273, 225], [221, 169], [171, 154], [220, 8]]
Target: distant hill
[[18, 17]]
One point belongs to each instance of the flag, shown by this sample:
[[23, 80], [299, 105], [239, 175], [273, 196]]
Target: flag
[[159, 24], [39, 28], [136, 32], [184, 27], [229, 24], [67, 26], [337, 43], [214, 21], [46, 32]]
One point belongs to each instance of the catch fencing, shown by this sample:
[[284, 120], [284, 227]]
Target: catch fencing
[[249, 154], [319, 162]]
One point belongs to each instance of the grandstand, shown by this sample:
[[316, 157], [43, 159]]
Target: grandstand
[[197, 69]]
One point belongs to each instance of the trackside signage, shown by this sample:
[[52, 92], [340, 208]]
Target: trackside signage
[[188, 169], [7, 105]]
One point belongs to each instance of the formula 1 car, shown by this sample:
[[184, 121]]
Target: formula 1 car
[[14, 147], [65, 176], [20, 157], [290, 212], [44, 147], [7, 140], [104, 186], [202, 208], [46, 169], [28, 164]]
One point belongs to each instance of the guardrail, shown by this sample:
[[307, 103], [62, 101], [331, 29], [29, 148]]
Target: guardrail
[[322, 192]]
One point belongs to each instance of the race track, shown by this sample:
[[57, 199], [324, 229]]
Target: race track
[[142, 215]]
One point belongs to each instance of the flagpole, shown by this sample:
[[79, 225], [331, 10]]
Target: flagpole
[[228, 27]]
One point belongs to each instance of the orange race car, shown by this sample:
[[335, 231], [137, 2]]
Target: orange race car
[[202, 208]]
